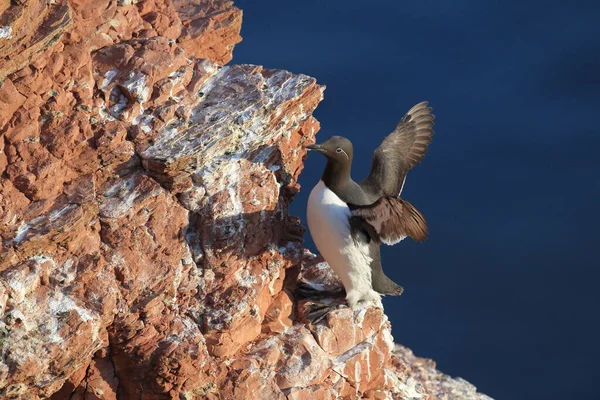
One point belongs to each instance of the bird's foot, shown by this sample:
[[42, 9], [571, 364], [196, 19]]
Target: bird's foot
[[318, 301], [312, 291], [396, 291], [315, 312]]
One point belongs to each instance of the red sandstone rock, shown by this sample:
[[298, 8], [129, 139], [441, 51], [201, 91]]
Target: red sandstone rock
[[146, 251], [29, 28], [280, 313], [210, 28]]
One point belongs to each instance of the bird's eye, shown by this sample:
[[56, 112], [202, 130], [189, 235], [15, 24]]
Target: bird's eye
[[338, 150]]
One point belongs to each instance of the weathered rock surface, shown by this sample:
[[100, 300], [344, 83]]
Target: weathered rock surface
[[146, 248]]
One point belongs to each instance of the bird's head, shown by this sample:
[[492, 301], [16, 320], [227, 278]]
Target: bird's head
[[336, 148]]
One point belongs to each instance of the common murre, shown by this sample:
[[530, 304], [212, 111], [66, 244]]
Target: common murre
[[348, 221]]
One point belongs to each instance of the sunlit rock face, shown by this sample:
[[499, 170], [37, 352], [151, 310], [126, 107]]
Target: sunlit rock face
[[146, 248]]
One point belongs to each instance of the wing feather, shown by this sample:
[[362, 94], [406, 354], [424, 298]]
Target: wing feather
[[400, 151], [393, 219]]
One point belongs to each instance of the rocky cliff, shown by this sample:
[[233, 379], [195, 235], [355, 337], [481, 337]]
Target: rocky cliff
[[146, 249]]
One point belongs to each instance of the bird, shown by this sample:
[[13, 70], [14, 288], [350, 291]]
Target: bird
[[349, 221]]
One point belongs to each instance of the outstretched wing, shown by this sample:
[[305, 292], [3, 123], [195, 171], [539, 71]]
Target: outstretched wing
[[392, 219], [399, 152]]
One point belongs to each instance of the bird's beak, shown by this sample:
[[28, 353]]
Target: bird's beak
[[315, 147]]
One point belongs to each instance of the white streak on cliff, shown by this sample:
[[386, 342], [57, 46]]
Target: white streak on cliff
[[6, 32]]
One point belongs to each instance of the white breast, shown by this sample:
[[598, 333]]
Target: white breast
[[328, 222]]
